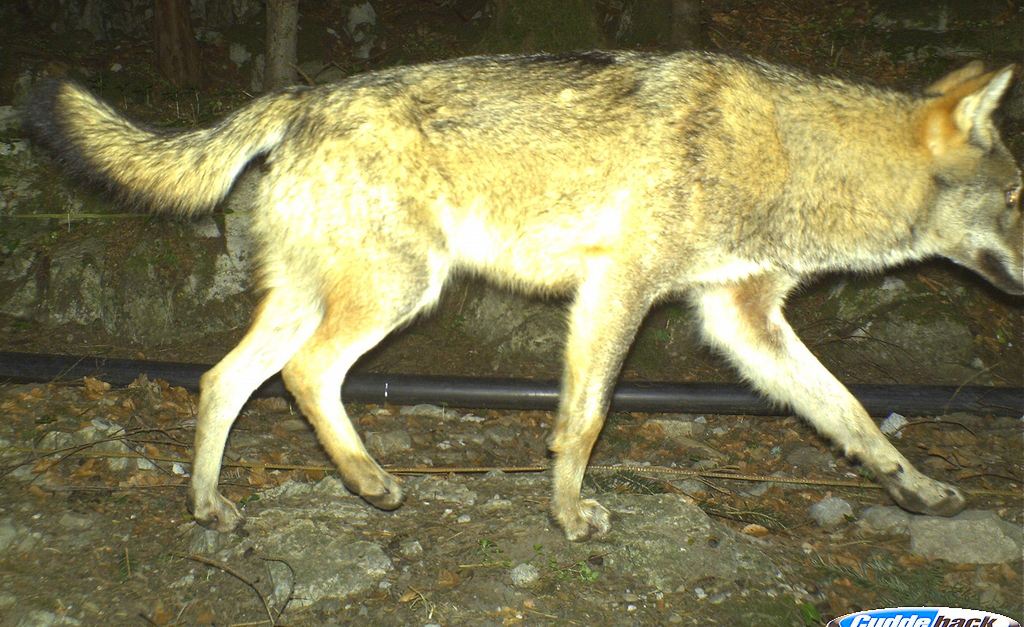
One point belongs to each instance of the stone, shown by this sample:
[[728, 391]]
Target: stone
[[678, 427], [885, 519], [447, 491], [428, 411], [524, 575], [971, 537], [831, 513], [389, 442], [670, 542]]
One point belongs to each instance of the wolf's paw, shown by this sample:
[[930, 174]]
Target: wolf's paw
[[586, 520], [921, 495], [215, 513], [380, 490]]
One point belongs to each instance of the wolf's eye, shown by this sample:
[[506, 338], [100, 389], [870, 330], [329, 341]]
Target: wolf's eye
[[1012, 196]]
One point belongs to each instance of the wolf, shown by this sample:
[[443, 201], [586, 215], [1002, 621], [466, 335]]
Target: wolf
[[617, 178]]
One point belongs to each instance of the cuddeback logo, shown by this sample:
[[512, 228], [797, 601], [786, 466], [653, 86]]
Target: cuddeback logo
[[923, 617]]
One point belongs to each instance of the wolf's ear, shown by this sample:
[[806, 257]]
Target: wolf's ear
[[954, 78], [963, 109], [976, 107]]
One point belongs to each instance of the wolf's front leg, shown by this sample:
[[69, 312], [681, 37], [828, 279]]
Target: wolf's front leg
[[603, 321], [745, 322]]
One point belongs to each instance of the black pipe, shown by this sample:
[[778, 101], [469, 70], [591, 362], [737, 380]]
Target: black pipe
[[492, 393]]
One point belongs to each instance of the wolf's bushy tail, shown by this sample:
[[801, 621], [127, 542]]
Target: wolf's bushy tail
[[184, 172]]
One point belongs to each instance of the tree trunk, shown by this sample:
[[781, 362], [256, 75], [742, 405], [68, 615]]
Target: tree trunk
[[282, 35], [177, 53], [685, 24]]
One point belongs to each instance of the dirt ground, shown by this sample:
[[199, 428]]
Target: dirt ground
[[99, 533]]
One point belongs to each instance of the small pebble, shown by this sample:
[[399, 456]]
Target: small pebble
[[893, 425], [831, 512], [524, 575]]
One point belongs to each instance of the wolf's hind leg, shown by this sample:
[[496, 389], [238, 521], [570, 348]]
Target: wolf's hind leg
[[745, 322], [603, 322], [281, 324], [360, 312]]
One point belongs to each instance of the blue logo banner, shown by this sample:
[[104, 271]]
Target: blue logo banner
[[923, 617]]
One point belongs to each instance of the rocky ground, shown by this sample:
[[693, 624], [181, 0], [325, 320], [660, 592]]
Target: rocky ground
[[708, 529]]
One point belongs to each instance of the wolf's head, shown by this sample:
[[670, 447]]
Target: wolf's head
[[977, 220]]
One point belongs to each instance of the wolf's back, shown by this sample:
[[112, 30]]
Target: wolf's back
[[184, 172]]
